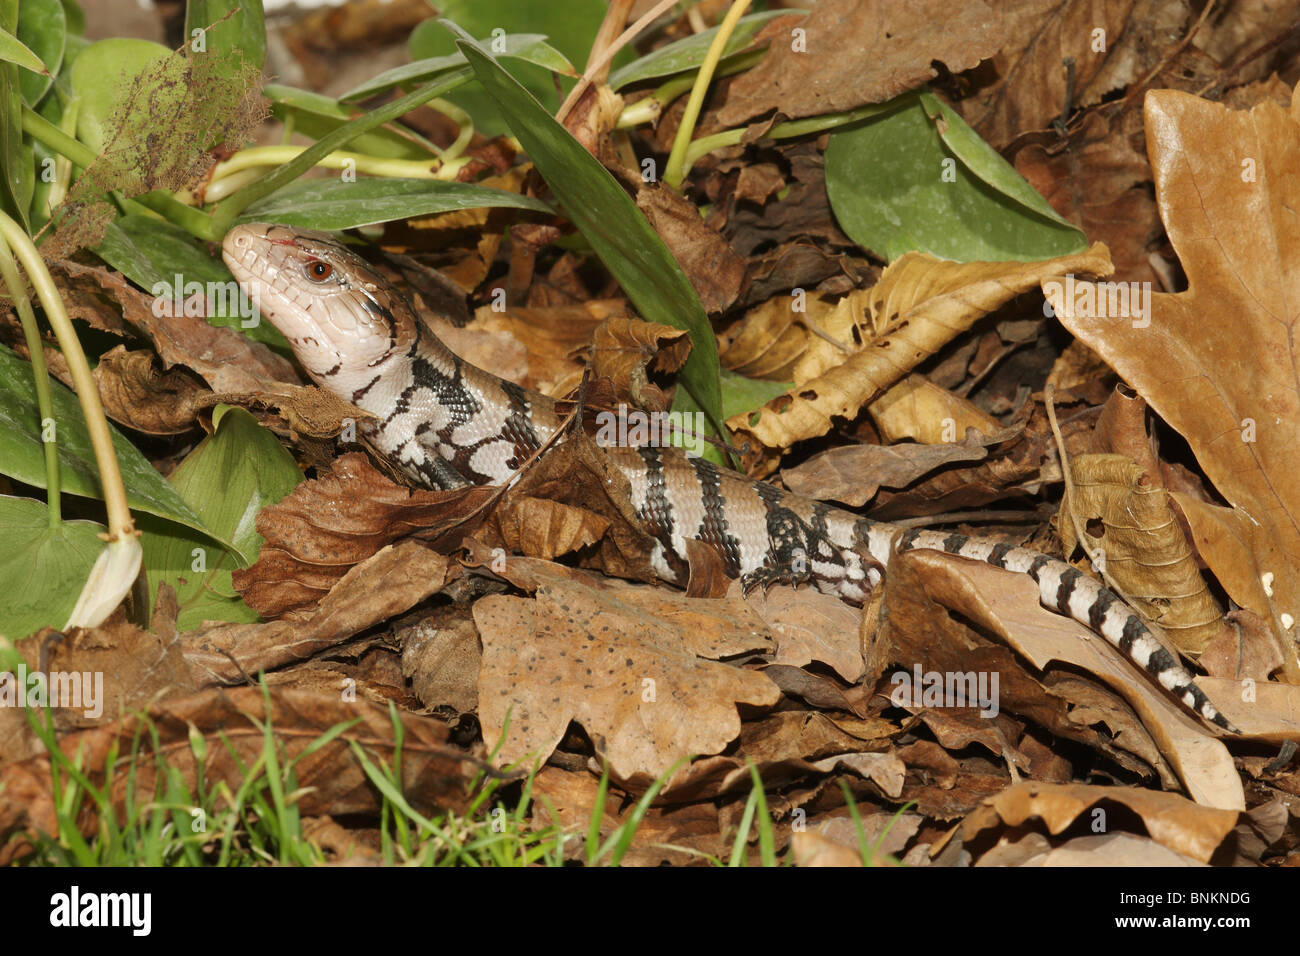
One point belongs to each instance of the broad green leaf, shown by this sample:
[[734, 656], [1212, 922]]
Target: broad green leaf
[[231, 476], [688, 53], [241, 36], [618, 231], [43, 568], [74, 16], [569, 25], [43, 26], [316, 116], [22, 454], [152, 252], [739, 394], [530, 47], [102, 75], [919, 178], [333, 204], [18, 177]]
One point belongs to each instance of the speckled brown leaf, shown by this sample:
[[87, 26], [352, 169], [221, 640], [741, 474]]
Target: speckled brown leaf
[[810, 626], [1171, 820], [890, 48], [1214, 361], [434, 775], [380, 587], [632, 678]]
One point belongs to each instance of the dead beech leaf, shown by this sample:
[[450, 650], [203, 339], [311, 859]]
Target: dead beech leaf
[[920, 304], [328, 525], [332, 780], [1130, 527], [1171, 820], [634, 682], [547, 529], [918, 410], [1226, 183], [139, 396], [810, 626], [380, 587], [714, 269], [1008, 605], [892, 46], [810, 848], [853, 473], [624, 349]]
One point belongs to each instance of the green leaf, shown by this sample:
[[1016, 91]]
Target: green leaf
[[595, 203], [231, 476], [688, 53], [152, 252], [739, 394], [102, 75], [18, 176], [43, 26], [333, 204], [241, 36], [317, 116], [13, 50], [43, 568], [569, 25], [75, 18], [529, 47], [919, 178], [22, 455]]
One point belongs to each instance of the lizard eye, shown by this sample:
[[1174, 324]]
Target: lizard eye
[[319, 271]]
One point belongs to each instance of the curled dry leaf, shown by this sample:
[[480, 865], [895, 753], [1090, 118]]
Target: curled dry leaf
[[893, 47], [715, 271], [632, 677], [139, 396], [624, 350], [1131, 532], [1210, 360], [920, 304], [1173, 821], [331, 779], [326, 526], [383, 586], [918, 410]]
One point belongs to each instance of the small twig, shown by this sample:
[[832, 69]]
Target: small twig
[[969, 517]]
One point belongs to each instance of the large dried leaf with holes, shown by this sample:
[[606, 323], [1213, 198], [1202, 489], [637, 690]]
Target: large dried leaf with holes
[[331, 778], [1131, 534], [380, 587], [892, 46], [1216, 361], [641, 678], [920, 303], [1171, 820]]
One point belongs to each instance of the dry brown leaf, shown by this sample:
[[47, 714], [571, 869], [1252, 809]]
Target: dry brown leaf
[[810, 848], [136, 394], [1007, 604], [632, 679], [332, 780], [1114, 849], [1171, 820], [1130, 531], [852, 474], [1208, 359], [715, 271], [918, 410], [624, 350], [441, 658], [1243, 649], [920, 304], [551, 337], [892, 47], [810, 626], [382, 586]]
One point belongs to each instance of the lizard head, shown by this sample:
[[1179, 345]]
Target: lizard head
[[343, 320]]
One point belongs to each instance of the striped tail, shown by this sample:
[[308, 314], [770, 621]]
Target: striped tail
[[1068, 590]]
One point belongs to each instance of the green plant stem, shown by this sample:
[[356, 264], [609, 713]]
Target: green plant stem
[[42, 130], [229, 209], [120, 523], [44, 404], [675, 172], [194, 221], [800, 127], [650, 108]]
